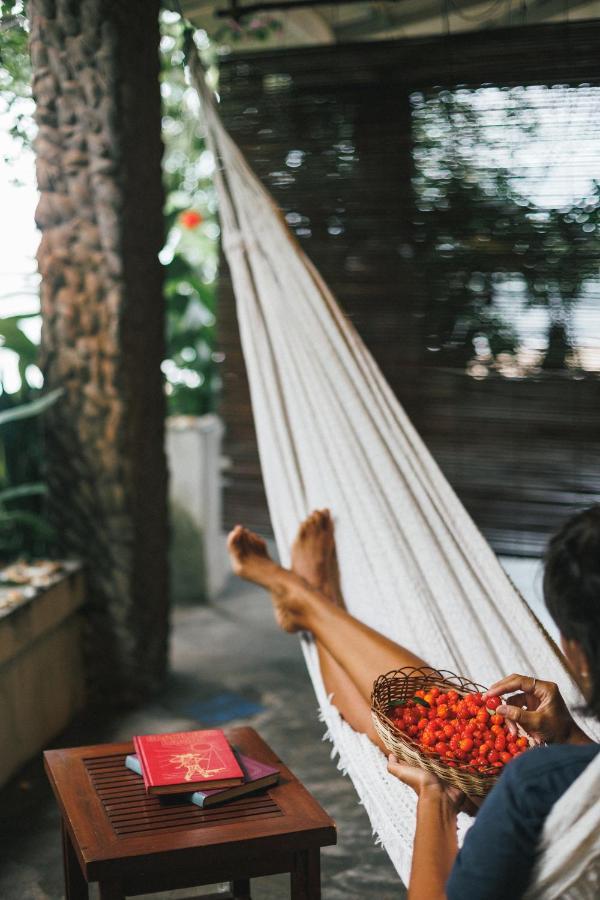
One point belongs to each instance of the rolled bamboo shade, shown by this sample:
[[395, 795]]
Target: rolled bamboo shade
[[445, 189]]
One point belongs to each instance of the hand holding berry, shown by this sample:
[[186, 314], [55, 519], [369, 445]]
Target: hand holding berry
[[538, 707]]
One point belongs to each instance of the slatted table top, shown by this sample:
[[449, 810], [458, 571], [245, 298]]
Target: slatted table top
[[112, 822]]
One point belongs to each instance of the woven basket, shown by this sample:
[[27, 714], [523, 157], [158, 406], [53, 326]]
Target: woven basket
[[401, 684]]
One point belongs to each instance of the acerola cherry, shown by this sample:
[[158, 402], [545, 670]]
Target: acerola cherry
[[190, 218]]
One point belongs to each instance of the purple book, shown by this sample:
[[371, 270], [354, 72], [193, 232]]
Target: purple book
[[257, 776]]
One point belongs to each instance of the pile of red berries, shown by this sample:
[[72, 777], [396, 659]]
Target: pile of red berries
[[464, 731]]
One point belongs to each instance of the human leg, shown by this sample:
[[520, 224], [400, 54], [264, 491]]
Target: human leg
[[359, 650], [314, 559]]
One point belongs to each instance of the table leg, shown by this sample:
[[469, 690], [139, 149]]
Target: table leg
[[306, 875], [76, 887], [111, 890], [240, 889]]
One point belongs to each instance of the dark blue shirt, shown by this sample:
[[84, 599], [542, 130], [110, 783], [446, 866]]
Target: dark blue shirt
[[499, 850]]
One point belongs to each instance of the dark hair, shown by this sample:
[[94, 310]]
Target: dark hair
[[572, 589]]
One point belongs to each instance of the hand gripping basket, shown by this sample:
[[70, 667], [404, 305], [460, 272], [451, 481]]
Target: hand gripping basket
[[401, 684]]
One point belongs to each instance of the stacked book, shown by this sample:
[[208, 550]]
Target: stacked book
[[202, 765]]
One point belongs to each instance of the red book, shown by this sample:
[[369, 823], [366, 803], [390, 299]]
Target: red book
[[187, 761]]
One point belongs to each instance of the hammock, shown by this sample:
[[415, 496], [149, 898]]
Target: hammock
[[331, 434]]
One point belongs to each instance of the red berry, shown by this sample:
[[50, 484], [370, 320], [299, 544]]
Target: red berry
[[493, 702], [190, 218]]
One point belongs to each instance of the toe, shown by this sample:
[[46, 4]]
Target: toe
[[233, 536]]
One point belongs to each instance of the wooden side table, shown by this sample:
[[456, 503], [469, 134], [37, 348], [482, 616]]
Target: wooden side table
[[113, 833]]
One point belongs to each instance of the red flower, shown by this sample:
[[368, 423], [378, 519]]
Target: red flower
[[190, 218]]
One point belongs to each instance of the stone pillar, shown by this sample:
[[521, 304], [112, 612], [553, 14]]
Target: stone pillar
[[95, 82]]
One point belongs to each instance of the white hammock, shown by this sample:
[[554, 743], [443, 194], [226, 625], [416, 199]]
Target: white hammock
[[332, 434]]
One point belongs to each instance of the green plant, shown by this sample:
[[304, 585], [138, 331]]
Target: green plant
[[24, 530], [191, 252], [15, 74]]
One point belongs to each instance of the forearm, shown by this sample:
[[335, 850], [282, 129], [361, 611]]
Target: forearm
[[435, 846]]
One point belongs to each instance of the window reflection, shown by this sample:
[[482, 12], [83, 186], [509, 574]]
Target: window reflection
[[507, 228]]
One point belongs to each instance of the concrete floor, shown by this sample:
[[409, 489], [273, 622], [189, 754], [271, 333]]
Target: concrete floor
[[230, 665]]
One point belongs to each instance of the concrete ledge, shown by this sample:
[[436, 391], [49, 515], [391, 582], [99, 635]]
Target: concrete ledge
[[41, 668]]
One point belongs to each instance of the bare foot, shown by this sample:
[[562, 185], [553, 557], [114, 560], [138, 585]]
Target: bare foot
[[314, 556], [250, 560]]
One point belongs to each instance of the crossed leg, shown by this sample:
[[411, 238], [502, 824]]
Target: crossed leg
[[308, 598]]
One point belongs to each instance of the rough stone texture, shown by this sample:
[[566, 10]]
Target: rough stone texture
[[230, 666], [95, 82]]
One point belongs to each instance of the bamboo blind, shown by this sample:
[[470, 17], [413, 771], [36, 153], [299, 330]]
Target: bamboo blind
[[445, 190]]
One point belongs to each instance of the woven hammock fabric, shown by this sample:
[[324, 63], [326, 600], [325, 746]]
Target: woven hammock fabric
[[332, 434]]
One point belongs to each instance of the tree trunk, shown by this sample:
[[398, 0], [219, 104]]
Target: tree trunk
[[95, 82]]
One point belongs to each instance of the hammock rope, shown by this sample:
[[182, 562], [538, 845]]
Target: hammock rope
[[332, 434]]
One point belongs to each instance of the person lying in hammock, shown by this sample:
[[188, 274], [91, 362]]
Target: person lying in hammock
[[498, 855]]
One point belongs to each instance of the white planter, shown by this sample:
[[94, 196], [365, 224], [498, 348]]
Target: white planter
[[41, 668], [198, 556]]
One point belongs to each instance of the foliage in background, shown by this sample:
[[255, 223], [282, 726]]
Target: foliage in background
[[15, 73], [23, 527], [191, 253], [480, 235], [260, 26], [24, 530]]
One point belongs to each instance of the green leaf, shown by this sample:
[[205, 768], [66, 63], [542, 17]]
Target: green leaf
[[422, 702], [34, 489], [26, 410], [414, 700], [30, 520], [17, 340]]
